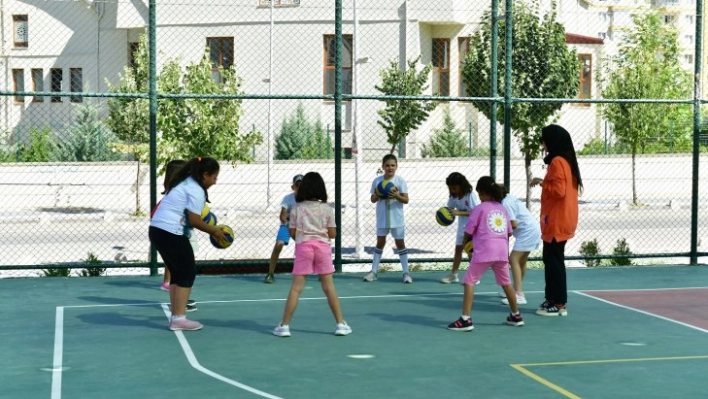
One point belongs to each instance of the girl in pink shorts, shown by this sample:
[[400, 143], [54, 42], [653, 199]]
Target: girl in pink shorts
[[312, 226], [490, 226]]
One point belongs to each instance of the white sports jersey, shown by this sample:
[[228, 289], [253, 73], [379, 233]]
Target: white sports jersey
[[528, 231], [171, 214], [288, 203], [466, 203], [389, 212]]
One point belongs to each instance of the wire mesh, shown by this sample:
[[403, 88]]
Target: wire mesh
[[256, 83]]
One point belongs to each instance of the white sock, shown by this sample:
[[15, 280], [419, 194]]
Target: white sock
[[377, 259], [465, 317], [177, 318]]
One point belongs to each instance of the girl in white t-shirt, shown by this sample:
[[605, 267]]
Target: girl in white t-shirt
[[312, 225], [527, 238], [171, 226], [390, 218], [462, 200]]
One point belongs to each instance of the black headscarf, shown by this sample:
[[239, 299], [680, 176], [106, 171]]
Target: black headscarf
[[559, 144]]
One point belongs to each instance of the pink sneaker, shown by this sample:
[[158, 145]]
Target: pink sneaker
[[165, 286], [185, 325]]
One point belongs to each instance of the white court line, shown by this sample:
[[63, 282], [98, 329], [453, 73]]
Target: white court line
[[642, 311], [58, 353], [195, 363], [284, 299]]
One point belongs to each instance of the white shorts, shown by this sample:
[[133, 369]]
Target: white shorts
[[460, 233], [527, 244], [398, 233]]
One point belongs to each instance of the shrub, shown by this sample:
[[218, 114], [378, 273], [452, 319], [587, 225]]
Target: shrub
[[590, 248], [301, 139], [621, 249], [447, 141], [93, 271], [57, 272]]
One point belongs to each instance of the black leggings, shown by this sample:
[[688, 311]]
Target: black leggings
[[554, 271], [178, 255]]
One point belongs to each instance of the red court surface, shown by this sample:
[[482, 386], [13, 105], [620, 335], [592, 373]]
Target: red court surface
[[674, 304]]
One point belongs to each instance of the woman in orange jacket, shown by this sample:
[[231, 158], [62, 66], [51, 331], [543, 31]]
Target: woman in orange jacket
[[559, 214]]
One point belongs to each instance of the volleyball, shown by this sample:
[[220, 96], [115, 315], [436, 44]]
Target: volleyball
[[468, 249], [210, 219], [205, 211], [221, 244], [383, 189], [444, 216]]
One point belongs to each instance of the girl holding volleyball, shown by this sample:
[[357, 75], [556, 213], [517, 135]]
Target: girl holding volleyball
[[461, 201], [490, 226], [389, 217], [171, 226], [312, 225]]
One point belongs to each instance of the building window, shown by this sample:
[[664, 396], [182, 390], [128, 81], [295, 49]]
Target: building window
[[602, 35], [688, 39], [279, 3], [585, 92], [602, 16], [56, 78], [463, 44], [688, 59], [20, 33], [329, 53], [18, 79], [441, 67], [76, 83], [132, 52], [37, 84], [221, 53], [668, 18], [689, 19]]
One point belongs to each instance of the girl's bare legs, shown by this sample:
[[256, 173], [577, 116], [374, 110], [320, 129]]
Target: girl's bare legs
[[511, 296], [517, 260], [167, 276], [457, 259], [467, 300], [293, 298], [330, 292], [178, 299]]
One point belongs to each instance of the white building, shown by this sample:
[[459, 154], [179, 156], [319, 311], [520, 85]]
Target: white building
[[288, 49]]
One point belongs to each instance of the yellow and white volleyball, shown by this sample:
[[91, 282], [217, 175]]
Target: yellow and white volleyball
[[225, 243], [208, 216], [444, 216]]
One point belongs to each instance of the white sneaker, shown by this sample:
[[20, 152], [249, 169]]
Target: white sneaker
[[450, 278], [407, 279], [342, 329], [502, 294], [371, 276], [281, 331], [520, 300]]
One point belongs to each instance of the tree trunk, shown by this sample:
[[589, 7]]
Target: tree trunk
[[393, 148], [634, 175], [529, 176]]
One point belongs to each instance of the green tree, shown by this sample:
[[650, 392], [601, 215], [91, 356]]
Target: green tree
[[201, 126], [543, 67], [301, 139], [128, 116], [400, 117], [88, 139], [448, 141], [647, 67], [187, 127]]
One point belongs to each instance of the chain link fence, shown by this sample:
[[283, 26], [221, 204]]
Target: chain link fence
[[99, 95]]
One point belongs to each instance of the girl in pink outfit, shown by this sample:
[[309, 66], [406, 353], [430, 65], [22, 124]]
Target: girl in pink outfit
[[490, 226], [312, 226]]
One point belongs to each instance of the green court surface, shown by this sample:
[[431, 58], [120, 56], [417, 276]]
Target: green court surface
[[631, 332]]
